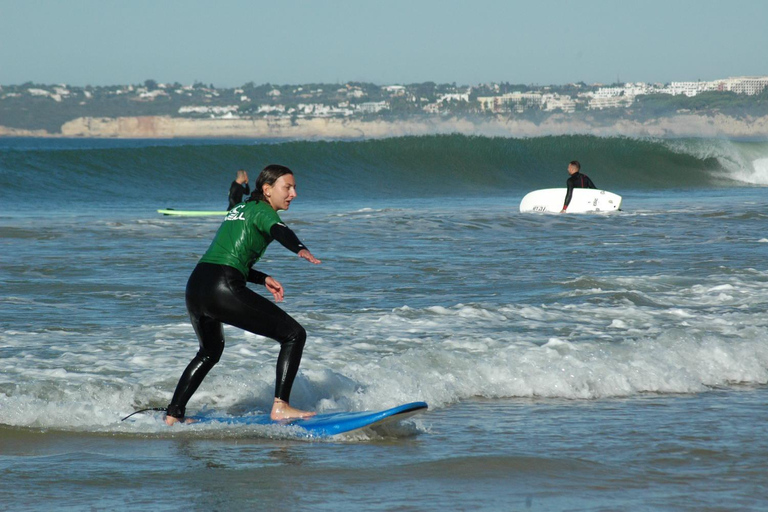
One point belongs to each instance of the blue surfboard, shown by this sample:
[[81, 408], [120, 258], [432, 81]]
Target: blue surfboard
[[328, 424]]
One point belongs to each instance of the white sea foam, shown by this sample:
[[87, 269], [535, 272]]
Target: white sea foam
[[438, 354], [743, 162], [756, 173]]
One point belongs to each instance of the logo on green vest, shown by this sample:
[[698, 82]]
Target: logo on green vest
[[235, 213]]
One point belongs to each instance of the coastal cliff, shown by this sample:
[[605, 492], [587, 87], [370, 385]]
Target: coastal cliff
[[684, 125]]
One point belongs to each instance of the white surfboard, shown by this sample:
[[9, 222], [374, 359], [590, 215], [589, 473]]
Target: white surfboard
[[584, 200]]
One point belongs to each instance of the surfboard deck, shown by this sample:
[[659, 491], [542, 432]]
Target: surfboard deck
[[325, 425], [192, 213], [584, 200]]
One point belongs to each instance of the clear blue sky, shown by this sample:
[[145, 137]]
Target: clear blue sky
[[232, 42]]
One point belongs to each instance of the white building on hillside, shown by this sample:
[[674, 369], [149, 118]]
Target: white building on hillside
[[38, 92], [322, 110], [744, 84], [152, 95], [637, 89], [608, 92], [690, 89], [454, 97], [42, 92], [356, 93], [395, 90], [564, 102], [372, 107], [517, 101], [213, 111], [270, 109], [599, 103]]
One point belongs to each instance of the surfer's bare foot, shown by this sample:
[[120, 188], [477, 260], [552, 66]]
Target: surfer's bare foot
[[282, 411], [171, 420]]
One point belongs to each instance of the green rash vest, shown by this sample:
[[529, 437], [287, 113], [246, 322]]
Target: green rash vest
[[243, 236]]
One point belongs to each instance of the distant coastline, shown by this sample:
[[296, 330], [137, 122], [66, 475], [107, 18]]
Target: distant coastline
[[732, 107], [167, 127]]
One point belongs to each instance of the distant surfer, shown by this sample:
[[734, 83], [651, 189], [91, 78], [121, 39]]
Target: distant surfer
[[238, 189], [217, 294], [576, 180]]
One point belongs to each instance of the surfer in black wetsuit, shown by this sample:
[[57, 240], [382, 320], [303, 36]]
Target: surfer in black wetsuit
[[216, 292], [577, 180], [238, 189]]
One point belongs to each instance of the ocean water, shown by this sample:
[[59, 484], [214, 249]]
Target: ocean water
[[571, 362]]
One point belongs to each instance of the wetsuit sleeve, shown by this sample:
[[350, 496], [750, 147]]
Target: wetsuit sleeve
[[286, 237], [233, 199], [590, 184], [236, 193], [254, 276], [569, 184]]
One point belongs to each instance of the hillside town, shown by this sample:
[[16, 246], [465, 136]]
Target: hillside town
[[48, 107], [599, 97]]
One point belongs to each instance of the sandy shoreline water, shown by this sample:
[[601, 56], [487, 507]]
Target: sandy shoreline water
[[522, 454], [683, 125]]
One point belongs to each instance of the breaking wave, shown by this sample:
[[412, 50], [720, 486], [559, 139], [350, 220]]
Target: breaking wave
[[423, 166]]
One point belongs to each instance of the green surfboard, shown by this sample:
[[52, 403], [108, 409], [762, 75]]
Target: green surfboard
[[192, 213]]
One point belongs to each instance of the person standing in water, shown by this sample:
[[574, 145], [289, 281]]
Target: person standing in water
[[576, 180], [238, 189], [216, 292]]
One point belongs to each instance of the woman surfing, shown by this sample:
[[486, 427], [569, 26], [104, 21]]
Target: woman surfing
[[217, 294]]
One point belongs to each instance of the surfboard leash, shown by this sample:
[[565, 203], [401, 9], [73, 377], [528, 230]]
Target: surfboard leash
[[158, 409]]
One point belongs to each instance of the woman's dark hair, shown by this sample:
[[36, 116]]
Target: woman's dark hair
[[268, 176]]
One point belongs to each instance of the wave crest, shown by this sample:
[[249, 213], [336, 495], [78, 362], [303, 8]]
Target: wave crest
[[415, 166]]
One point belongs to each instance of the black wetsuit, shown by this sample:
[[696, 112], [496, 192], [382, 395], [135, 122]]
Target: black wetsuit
[[236, 193], [217, 294], [576, 180]]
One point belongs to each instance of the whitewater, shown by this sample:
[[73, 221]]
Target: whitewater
[[571, 362]]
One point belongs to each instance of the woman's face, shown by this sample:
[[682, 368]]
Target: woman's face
[[280, 194]]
